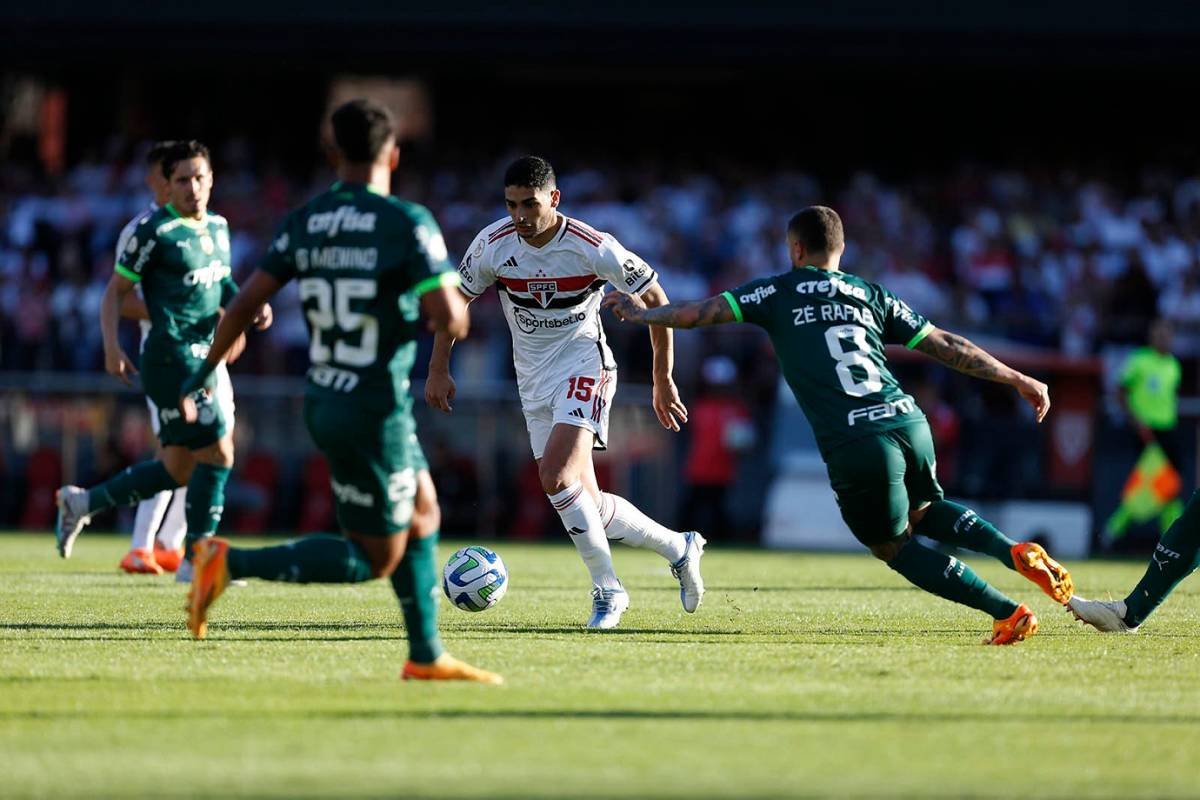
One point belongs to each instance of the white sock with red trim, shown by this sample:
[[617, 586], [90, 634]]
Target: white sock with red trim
[[581, 518], [624, 523]]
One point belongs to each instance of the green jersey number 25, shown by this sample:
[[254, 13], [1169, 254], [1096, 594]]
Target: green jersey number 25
[[332, 319]]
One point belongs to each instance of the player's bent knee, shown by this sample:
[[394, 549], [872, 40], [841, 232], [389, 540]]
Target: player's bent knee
[[383, 552], [554, 478], [886, 551], [427, 513]]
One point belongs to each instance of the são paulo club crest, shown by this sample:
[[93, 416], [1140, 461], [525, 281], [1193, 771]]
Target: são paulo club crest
[[543, 291]]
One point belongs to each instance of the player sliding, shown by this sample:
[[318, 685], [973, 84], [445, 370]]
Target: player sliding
[[829, 329], [368, 264], [159, 527], [1176, 556], [179, 255], [550, 269]]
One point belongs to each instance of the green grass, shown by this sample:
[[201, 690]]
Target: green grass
[[802, 675]]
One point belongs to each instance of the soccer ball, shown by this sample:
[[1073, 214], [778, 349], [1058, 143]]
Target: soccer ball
[[475, 579]]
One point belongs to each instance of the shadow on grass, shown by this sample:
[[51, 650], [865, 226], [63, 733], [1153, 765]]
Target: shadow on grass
[[651, 715]]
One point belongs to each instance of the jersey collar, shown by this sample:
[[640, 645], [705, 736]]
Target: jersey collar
[[188, 221]]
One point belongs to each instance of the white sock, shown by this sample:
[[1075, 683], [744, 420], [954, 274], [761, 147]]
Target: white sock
[[581, 518], [623, 522], [147, 519], [174, 525]]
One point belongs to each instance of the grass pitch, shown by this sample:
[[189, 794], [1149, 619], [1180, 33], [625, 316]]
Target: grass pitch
[[802, 675]]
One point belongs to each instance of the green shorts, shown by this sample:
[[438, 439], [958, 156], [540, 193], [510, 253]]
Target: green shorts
[[878, 478], [373, 463], [162, 375]]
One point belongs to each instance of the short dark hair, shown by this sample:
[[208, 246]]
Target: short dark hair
[[158, 151], [532, 171], [184, 150], [360, 130], [819, 229]]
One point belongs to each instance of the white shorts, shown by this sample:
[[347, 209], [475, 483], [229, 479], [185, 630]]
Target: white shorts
[[224, 394], [582, 399]]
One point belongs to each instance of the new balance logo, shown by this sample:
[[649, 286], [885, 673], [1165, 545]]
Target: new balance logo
[[512, 262], [575, 412]]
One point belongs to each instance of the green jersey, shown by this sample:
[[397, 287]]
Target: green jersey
[[829, 330], [182, 265], [362, 261], [1151, 380]]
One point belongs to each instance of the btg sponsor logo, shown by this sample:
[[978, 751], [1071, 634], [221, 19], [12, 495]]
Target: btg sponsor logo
[[529, 322], [758, 295]]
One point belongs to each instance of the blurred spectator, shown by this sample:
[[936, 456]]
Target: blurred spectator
[[720, 427]]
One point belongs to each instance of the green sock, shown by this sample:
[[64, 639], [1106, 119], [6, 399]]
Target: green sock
[[950, 578], [958, 525], [131, 485], [205, 502], [415, 582], [323, 558], [1176, 556]]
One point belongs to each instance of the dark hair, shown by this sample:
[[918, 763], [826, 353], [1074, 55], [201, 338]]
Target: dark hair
[[360, 130], [158, 151], [532, 171], [819, 229], [183, 151]]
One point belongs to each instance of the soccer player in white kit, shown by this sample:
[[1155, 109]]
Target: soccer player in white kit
[[159, 526], [550, 269]]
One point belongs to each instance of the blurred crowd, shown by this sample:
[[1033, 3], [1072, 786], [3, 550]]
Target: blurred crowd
[[1059, 260]]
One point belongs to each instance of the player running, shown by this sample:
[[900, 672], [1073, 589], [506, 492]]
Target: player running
[[829, 329], [1176, 556], [159, 526], [367, 264], [180, 256], [550, 269]]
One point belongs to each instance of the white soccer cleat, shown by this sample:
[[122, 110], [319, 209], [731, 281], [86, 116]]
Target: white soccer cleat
[[73, 516], [687, 571], [1103, 615], [607, 607]]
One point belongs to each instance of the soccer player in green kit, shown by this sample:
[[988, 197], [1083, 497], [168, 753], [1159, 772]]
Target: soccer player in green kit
[[179, 255], [829, 329], [367, 264]]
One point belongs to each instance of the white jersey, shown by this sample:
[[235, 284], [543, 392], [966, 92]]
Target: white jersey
[[123, 243], [551, 296]]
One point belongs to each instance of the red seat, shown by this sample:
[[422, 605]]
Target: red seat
[[43, 476], [260, 470], [316, 497]]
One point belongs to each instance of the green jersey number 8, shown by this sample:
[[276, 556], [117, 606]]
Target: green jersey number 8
[[332, 311], [857, 357]]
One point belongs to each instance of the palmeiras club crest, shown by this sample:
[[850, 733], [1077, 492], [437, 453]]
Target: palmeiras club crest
[[543, 291]]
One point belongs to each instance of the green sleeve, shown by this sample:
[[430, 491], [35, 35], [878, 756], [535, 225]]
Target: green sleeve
[[428, 257], [280, 259], [733, 304], [753, 302], [138, 255]]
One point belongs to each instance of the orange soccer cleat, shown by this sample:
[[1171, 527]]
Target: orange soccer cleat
[[210, 576], [1020, 626], [1032, 561], [167, 559], [141, 562], [448, 668]]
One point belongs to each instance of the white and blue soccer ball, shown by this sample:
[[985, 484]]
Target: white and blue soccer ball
[[475, 578]]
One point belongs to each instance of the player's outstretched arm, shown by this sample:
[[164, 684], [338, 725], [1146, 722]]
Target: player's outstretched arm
[[439, 385], [668, 406], [629, 308], [960, 353], [116, 362], [248, 306]]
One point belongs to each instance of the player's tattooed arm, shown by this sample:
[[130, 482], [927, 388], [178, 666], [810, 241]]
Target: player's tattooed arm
[[713, 311], [960, 353]]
